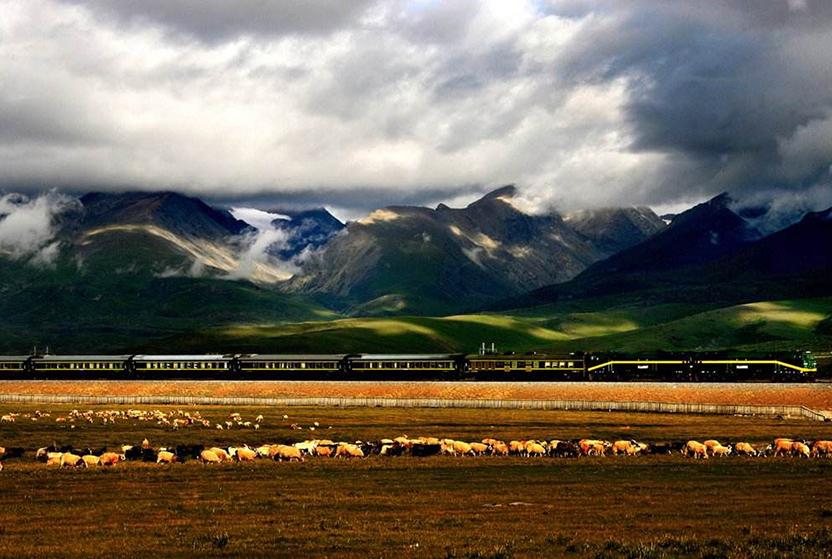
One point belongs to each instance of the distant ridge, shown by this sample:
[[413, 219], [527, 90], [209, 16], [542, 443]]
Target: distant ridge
[[708, 253]]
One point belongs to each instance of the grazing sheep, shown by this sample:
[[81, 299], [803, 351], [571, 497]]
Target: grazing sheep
[[245, 455], [110, 459], [69, 459], [209, 457], [221, 453], [165, 457]]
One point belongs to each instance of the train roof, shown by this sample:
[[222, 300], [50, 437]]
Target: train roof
[[14, 357], [82, 357], [278, 357], [405, 356], [216, 357]]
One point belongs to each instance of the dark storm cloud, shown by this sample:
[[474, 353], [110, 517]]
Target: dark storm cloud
[[220, 20], [723, 86], [352, 203]]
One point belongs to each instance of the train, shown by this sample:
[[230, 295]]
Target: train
[[791, 366]]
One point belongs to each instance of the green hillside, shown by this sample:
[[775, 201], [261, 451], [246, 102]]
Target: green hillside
[[802, 323], [111, 302]]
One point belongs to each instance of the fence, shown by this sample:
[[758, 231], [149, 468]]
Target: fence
[[566, 405]]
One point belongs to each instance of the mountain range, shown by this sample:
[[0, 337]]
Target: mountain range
[[130, 268], [418, 260], [707, 254]]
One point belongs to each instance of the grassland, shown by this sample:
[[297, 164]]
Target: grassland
[[798, 323], [420, 507]]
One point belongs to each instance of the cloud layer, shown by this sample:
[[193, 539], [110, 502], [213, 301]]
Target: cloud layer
[[579, 103]]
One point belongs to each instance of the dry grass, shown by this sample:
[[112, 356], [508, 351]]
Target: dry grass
[[816, 396], [420, 507]]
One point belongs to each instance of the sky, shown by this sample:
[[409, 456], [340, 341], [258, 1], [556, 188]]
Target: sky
[[357, 104]]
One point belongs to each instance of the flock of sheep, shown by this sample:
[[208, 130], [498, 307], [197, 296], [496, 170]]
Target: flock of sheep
[[422, 446], [67, 456], [174, 419]]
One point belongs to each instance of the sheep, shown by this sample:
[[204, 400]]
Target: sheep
[[69, 459]]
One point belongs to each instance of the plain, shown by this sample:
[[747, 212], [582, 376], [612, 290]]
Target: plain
[[643, 506]]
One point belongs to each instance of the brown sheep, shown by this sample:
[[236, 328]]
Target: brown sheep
[[624, 447], [696, 449], [110, 459], [499, 449], [285, 452], [246, 455], [349, 451], [165, 457], [69, 459], [209, 457], [463, 448], [822, 448], [323, 451], [721, 450], [745, 449], [478, 448], [782, 446], [800, 449], [221, 453]]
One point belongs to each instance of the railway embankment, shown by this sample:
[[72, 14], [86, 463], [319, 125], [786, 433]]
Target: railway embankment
[[730, 398]]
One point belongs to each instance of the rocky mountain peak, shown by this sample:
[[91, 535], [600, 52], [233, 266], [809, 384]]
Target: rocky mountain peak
[[170, 210]]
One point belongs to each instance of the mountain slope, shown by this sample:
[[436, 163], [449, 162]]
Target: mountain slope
[[802, 247], [615, 229], [702, 234], [166, 233], [133, 267], [307, 229], [181, 215], [424, 261], [792, 262]]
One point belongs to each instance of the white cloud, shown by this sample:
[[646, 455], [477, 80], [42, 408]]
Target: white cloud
[[255, 256], [257, 218], [26, 225]]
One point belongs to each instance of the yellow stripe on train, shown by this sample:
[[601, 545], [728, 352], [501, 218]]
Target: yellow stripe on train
[[720, 362], [635, 363], [762, 362]]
